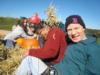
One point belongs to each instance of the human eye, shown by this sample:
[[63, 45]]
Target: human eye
[[69, 30]]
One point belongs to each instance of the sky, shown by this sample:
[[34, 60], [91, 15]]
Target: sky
[[89, 10]]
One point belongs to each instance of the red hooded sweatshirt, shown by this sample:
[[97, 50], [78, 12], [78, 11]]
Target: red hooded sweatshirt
[[54, 47]]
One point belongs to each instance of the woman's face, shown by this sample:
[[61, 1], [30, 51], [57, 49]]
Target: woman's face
[[76, 32]]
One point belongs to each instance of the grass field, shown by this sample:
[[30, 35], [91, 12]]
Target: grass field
[[98, 40], [6, 27]]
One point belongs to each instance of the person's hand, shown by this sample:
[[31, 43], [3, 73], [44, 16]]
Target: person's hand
[[25, 53]]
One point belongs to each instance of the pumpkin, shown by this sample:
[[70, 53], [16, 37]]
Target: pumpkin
[[28, 43], [19, 41]]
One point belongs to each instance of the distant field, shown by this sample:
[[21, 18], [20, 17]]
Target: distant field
[[98, 40], [6, 27]]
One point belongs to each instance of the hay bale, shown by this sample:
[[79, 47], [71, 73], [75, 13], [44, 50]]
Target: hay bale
[[13, 58]]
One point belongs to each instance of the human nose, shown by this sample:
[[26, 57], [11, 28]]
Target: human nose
[[73, 31]]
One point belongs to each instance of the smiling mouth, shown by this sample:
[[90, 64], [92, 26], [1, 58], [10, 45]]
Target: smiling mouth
[[74, 36]]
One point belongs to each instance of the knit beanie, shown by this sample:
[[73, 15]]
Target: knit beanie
[[74, 19]]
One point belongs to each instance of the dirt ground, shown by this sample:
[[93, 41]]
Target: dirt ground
[[3, 32]]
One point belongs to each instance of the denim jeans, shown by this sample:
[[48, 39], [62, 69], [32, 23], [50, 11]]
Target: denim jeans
[[31, 66], [9, 44]]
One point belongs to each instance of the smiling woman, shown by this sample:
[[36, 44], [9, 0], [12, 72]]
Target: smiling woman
[[83, 54], [75, 28]]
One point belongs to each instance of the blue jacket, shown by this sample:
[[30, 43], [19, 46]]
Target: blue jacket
[[82, 58]]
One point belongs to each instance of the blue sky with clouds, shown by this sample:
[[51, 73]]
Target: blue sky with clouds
[[89, 10]]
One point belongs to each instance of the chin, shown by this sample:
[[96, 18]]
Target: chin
[[76, 41]]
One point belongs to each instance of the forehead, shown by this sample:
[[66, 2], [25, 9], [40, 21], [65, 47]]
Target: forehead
[[70, 26]]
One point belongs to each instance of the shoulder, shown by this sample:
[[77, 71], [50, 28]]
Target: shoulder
[[56, 30], [76, 48]]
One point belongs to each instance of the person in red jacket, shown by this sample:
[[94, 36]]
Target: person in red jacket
[[52, 52]]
